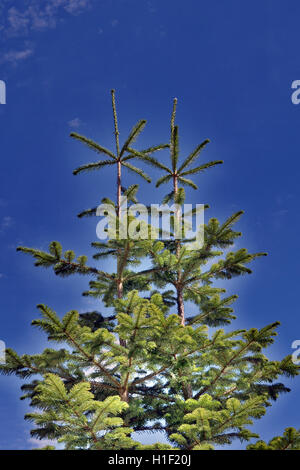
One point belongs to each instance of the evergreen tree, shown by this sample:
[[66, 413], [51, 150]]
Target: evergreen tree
[[148, 367]]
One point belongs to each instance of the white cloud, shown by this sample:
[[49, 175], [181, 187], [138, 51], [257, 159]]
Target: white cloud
[[14, 56], [19, 19], [76, 6], [37, 444], [38, 15], [5, 223], [75, 123], [16, 20]]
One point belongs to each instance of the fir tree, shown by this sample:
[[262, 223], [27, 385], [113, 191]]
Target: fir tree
[[151, 366]]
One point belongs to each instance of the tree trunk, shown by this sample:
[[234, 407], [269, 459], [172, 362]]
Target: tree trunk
[[120, 295], [124, 394], [119, 282], [119, 190], [180, 306], [186, 389]]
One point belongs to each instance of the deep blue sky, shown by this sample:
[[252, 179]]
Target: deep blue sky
[[231, 65]]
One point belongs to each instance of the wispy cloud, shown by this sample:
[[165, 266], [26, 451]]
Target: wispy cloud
[[19, 19], [114, 23], [280, 212], [38, 15], [38, 444], [76, 6], [6, 222], [14, 56], [75, 123]]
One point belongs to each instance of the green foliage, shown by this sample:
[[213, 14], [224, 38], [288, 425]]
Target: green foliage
[[207, 422], [80, 416], [289, 441], [152, 363]]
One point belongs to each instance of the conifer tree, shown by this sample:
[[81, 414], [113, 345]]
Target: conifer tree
[[152, 365]]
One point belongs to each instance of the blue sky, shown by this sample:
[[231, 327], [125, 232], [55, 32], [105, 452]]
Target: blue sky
[[231, 65]]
